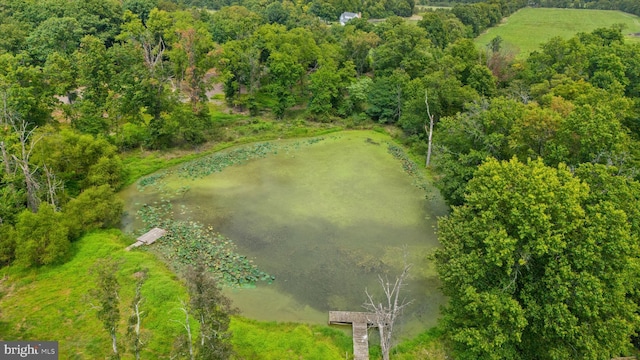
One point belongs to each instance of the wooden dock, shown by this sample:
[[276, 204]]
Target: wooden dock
[[360, 323], [148, 238]]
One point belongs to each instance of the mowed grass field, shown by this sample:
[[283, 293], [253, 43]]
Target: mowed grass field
[[524, 31]]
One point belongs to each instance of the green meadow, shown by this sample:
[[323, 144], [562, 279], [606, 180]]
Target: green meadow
[[39, 304], [524, 31]]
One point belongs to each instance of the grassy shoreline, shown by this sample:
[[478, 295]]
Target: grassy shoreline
[[140, 163]]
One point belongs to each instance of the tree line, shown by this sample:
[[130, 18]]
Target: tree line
[[629, 6], [538, 255], [328, 10]]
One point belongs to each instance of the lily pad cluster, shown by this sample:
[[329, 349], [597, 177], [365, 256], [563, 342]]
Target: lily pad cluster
[[151, 180], [190, 242], [409, 166], [217, 162], [314, 140]]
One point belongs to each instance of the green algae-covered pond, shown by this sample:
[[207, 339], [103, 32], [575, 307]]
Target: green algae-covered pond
[[324, 216]]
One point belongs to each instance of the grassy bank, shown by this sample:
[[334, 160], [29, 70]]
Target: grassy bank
[[52, 303], [276, 341], [524, 31]]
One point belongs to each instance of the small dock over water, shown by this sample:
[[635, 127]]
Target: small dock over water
[[360, 322], [148, 238]]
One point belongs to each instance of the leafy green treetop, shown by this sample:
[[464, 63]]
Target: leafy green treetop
[[539, 264], [42, 238]]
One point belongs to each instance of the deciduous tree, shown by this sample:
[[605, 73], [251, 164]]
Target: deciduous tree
[[54, 34], [327, 86], [23, 92], [191, 59], [403, 46], [80, 160], [211, 309], [95, 208], [442, 28], [106, 293], [240, 66], [357, 45], [42, 237], [284, 70], [387, 96], [233, 23], [7, 244], [538, 265]]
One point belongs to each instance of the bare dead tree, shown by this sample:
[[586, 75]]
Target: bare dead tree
[[5, 113], [6, 117], [21, 160], [6, 160], [27, 143], [398, 101], [430, 130], [188, 342], [134, 332], [389, 309], [53, 185], [33, 202], [192, 78], [152, 52]]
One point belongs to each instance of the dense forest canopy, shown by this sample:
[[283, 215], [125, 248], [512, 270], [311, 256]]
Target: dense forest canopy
[[81, 82]]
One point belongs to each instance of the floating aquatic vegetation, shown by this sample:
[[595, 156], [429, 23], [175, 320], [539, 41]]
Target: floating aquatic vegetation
[[217, 162], [314, 140], [410, 167], [407, 164], [151, 180], [188, 242], [371, 141], [183, 190]]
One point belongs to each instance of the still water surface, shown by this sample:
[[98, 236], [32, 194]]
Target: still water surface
[[325, 219]]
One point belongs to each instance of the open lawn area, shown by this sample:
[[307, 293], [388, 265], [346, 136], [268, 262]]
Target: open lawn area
[[524, 31], [52, 303]]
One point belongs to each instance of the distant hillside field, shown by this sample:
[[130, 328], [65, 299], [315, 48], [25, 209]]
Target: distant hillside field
[[524, 31]]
